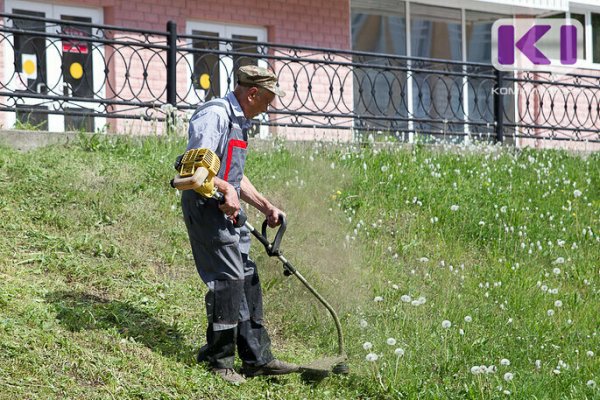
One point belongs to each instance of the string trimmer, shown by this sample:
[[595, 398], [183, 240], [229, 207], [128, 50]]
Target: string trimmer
[[196, 171]]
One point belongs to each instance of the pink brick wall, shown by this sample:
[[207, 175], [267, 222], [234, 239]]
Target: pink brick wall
[[299, 22], [561, 106], [296, 22]]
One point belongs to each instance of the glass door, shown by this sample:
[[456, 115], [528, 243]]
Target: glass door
[[215, 65], [56, 77]]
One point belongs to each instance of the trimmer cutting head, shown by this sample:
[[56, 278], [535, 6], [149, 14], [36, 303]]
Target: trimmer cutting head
[[323, 367]]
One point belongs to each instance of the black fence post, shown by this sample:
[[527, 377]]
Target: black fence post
[[171, 75], [499, 107]]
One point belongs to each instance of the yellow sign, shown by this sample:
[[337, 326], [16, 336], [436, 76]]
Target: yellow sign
[[76, 70], [29, 66], [205, 81]]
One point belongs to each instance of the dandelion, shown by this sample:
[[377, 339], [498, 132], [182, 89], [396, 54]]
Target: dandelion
[[506, 392], [468, 318], [491, 369], [399, 352], [391, 341], [503, 209], [550, 312], [454, 207], [591, 384], [589, 353], [406, 298], [363, 323], [446, 324], [577, 193], [508, 376], [378, 299], [556, 271], [558, 303], [504, 362], [476, 370], [371, 357], [461, 332], [538, 364], [559, 260], [423, 259]]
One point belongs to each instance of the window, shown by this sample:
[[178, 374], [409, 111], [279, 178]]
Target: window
[[219, 51], [595, 38], [436, 32], [380, 90]]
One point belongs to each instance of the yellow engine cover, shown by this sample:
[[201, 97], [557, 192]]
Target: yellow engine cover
[[196, 158]]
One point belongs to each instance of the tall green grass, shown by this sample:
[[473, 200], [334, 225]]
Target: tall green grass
[[453, 269]]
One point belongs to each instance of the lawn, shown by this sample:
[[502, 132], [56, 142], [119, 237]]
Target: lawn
[[457, 272]]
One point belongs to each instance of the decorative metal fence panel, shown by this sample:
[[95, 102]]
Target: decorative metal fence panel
[[76, 75]]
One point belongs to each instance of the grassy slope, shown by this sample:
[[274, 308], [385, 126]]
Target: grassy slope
[[99, 297]]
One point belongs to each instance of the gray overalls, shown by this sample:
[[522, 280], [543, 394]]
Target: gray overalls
[[234, 298]]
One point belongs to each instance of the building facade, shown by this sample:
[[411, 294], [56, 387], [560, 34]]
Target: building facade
[[75, 72]]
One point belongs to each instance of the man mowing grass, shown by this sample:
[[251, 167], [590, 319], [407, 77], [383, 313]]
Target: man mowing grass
[[234, 298]]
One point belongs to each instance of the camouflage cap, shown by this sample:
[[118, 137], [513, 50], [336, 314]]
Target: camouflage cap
[[251, 75]]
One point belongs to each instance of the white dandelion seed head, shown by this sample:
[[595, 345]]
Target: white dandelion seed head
[[367, 345], [363, 324], [491, 369], [378, 299], [550, 312], [468, 318], [558, 303], [391, 341], [506, 392], [559, 260], [399, 352], [461, 332], [577, 193], [371, 357], [556, 271], [454, 207], [591, 384], [423, 259], [504, 362], [556, 371], [508, 376], [446, 324], [538, 364], [589, 353], [406, 298]]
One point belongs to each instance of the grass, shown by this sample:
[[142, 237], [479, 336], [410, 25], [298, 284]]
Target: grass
[[99, 297]]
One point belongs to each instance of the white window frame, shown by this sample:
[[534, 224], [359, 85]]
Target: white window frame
[[587, 12], [226, 32], [56, 122]]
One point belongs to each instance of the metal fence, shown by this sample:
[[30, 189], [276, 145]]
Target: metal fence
[[76, 75]]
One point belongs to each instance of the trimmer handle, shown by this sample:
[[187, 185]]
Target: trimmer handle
[[274, 249], [241, 218]]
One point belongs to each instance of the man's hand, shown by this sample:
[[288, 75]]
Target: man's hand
[[231, 206], [272, 215]]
